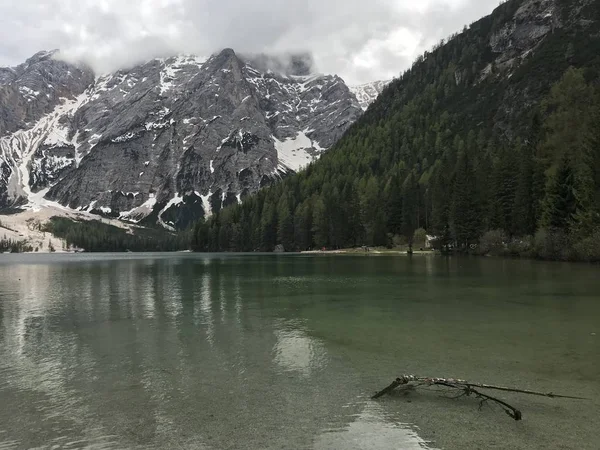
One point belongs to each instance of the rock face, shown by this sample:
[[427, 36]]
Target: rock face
[[31, 101], [167, 141], [34, 88], [531, 23], [367, 93]]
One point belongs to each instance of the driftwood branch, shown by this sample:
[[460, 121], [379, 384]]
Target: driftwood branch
[[469, 389]]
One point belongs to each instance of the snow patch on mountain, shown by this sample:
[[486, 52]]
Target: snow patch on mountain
[[136, 214], [206, 206], [297, 152], [177, 200], [20, 147], [367, 93]]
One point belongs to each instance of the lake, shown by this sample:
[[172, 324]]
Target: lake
[[195, 351]]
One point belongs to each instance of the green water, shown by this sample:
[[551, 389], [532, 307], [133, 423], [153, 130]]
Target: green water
[[272, 352]]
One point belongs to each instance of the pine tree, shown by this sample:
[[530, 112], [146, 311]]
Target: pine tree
[[568, 143], [224, 237], [393, 205], [560, 205], [302, 226], [523, 218], [235, 238], [355, 228], [371, 210], [320, 223], [503, 188], [285, 225], [441, 199], [338, 224], [465, 213], [485, 188], [410, 198], [379, 231], [268, 226], [200, 241]]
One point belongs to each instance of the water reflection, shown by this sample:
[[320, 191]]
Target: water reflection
[[206, 308], [371, 428], [296, 351], [251, 352], [122, 354]]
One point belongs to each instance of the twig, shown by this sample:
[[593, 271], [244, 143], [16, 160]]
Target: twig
[[469, 389], [397, 382], [522, 391]]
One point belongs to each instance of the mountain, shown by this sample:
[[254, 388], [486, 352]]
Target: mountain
[[167, 141], [35, 88], [490, 142], [368, 93]]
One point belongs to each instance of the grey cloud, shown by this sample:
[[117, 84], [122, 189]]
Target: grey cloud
[[358, 39]]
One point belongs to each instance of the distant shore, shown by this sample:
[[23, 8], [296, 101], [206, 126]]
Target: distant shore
[[370, 251]]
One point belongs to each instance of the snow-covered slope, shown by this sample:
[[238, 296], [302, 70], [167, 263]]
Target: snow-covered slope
[[367, 93], [171, 140]]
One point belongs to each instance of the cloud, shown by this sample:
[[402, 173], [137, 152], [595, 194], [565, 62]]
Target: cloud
[[358, 39]]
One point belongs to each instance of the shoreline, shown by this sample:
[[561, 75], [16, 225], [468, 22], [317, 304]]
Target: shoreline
[[373, 251]]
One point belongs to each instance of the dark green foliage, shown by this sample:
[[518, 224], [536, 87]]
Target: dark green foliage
[[465, 212], [560, 208], [95, 236], [320, 224], [493, 242], [503, 182], [450, 149], [14, 246], [441, 199], [410, 208], [524, 218], [303, 226], [393, 205], [285, 226]]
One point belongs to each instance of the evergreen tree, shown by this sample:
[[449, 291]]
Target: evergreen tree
[[523, 211], [235, 238], [569, 132], [268, 226], [441, 199], [355, 228], [320, 223], [465, 213], [410, 198], [380, 238], [224, 236], [393, 205], [371, 211], [285, 227], [504, 188], [302, 226], [560, 205]]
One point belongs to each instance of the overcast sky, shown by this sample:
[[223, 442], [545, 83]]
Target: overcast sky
[[361, 40]]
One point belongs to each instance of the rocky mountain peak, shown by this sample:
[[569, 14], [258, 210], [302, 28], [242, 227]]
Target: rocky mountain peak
[[36, 87], [41, 56], [167, 141]]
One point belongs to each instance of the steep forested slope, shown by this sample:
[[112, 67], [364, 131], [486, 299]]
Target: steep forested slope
[[496, 129]]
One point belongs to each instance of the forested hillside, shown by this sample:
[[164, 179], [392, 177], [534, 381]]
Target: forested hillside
[[95, 236], [490, 142]]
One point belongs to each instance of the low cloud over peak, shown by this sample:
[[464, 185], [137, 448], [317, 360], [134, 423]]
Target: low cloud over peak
[[359, 40]]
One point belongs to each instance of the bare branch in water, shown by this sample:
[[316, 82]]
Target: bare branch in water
[[468, 389]]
